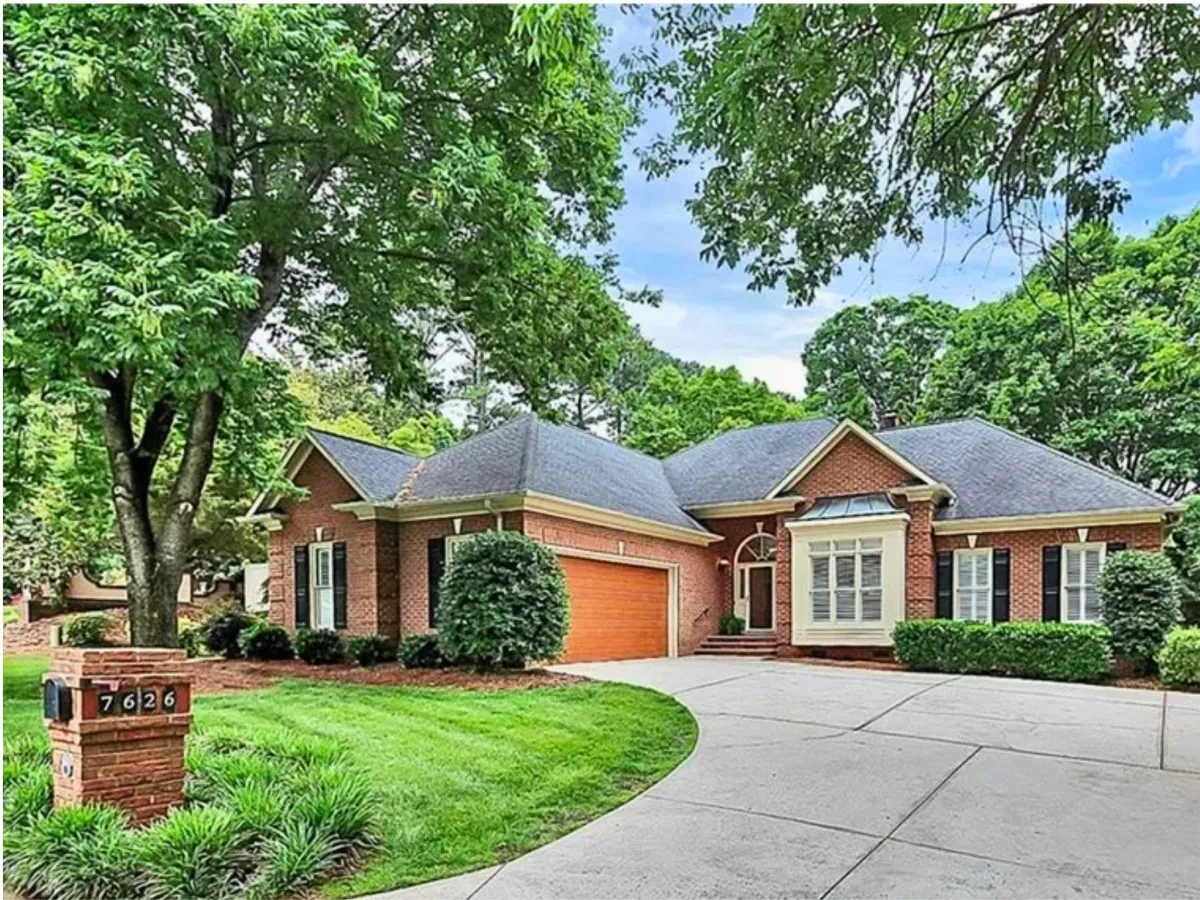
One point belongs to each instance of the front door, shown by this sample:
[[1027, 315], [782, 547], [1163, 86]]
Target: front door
[[322, 586], [762, 596]]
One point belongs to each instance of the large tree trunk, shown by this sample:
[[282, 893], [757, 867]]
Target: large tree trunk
[[155, 557]]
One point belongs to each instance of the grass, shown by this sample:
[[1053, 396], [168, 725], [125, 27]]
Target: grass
[[467, 779]]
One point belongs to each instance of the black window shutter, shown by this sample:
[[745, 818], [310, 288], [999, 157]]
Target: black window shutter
[[1051, 581], [437, 565], [339, 584], [1000, 582], [301, 587], [1115, 547], [944, 585]]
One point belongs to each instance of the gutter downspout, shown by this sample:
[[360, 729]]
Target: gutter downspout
[[487, 504]]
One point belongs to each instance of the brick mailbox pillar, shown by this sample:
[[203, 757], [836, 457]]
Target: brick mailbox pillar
[[117, 720]]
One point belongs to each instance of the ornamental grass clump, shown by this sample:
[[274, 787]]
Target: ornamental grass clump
[[265, 817], [503, 602]]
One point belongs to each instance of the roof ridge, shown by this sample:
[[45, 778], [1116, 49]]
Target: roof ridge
[[358, 440], [916, 425], [1113, 476], [480, 434], [760, 425], [528, 454]]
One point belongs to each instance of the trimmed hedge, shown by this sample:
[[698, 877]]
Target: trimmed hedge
[[1179, 658], [87, 630], [262, 640], [319, 647], [222, 631], [422, 651], [371, 650], [1057, 651], [1139, 602]]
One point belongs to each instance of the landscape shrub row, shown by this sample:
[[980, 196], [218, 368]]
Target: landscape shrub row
[[1052, 650], [1179, 658], [263, 818]]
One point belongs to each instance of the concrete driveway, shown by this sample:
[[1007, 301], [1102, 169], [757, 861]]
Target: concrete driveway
[[812, 781]]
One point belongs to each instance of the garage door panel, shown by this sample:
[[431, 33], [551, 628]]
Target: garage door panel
[[618, 611]]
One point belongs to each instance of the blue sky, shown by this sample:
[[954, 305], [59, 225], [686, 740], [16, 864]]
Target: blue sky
[[708, 315]]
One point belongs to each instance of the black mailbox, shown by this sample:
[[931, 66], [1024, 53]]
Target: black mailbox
[[56, 700]]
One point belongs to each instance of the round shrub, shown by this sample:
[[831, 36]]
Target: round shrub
[[371, 650], [221, 633], [1179, 658], [319, 647], [262, 640], [191, 640], [422, 651], [88, 630], [503, 602], [1139, 602], [731, 624]]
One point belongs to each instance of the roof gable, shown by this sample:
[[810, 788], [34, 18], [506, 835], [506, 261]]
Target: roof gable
[[848, 428]]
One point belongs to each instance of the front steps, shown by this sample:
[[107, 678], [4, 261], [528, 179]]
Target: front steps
[[737, 645]]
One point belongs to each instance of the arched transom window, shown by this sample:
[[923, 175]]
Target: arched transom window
[[758, 548]]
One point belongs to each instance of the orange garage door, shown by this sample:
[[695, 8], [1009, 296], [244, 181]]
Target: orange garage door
[[617, 611]]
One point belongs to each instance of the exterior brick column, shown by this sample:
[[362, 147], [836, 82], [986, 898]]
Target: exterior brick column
[[123, 742], [783, 588], [919, 577]]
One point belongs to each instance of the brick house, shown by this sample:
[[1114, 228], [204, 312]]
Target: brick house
[[820, 534]]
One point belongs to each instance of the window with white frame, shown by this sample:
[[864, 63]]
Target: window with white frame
[[1081, 568], [973, 585], [847, 580]]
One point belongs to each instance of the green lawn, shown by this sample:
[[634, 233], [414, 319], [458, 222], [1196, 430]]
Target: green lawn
[[468, 779]]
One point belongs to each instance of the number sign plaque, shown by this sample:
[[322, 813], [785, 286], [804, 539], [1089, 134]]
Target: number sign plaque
[[141, 702]]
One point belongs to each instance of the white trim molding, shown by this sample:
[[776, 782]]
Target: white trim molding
[[1142, 516], [672, 570], [295, 457], [831, 440], [272, 521], [526, 501], [740, 508]]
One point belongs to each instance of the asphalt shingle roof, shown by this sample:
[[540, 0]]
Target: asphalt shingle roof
[[744, 464], [992, 472], [377, 470]]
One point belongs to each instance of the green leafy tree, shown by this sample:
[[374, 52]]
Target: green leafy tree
[[1182, 548], [181, 179], [865, 361], [1109, 371], [678, 410], [829, 127], [424, 434]]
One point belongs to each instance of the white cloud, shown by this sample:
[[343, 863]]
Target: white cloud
[[1187, 147]]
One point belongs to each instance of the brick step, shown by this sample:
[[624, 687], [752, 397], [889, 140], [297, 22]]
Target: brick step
[[740, 639], [738, 650]]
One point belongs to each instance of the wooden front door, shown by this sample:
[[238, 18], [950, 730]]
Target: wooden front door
[[618, 611], [762, 597]]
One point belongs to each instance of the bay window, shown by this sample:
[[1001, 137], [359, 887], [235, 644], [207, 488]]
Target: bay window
[[847, 580]]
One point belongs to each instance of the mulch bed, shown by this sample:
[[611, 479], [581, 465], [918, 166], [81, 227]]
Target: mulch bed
[[213, 676]]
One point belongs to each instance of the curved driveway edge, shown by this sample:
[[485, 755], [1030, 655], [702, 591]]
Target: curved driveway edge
[[814, 781]]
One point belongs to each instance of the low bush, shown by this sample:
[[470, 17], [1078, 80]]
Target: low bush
[[422, 651], [319, 647], [222, 631], [266, 817], [191, 640], [503, 602], [262, 640], [88, 630], [1179, 658], [1052, 650], [371, 650], [1139, 602], [731, 624]]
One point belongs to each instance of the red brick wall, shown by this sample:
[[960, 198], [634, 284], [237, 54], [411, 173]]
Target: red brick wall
[[920, 562], [1026, 556], [699, 580], [734, 531], [413, 558], [371, 576], [851, 467]]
